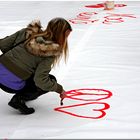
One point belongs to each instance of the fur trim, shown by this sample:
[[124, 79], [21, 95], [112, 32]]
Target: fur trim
[[43, 49], [38, 46], [33, 27]]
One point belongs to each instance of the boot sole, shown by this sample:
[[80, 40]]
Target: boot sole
[[23, 111]]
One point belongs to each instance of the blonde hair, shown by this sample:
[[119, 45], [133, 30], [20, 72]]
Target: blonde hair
[[55, 32]]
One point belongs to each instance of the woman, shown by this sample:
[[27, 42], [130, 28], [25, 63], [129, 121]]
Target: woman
[[28, 57]]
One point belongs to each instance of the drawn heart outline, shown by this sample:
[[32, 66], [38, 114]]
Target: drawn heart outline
[[72, 94], [101, 110]]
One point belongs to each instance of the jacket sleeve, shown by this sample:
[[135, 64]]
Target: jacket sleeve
[[42, 79], [9, 42]]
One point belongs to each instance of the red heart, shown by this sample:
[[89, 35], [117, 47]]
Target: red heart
[[80, 114], [84, 95]]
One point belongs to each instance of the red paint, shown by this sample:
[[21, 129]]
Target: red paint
[[120, 15], [86, 15], [84, 18], [120, 5], [84, 95], [94, 111], [96, 95], [112, 20], [116, 18], [82, 21], [87, 18], [101, 5]]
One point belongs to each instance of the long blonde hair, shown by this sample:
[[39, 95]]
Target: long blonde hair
[[55, 32]]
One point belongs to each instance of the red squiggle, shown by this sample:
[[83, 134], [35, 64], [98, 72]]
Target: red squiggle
[[101, 111], [120, 5], [112, 20], [82, 94], [101, 5], [84, 18], [116, 18], [120, 15]]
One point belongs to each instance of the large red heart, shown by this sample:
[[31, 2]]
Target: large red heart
[[96, 113]]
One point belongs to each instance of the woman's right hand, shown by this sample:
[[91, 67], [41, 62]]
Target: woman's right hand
[[62, 96]]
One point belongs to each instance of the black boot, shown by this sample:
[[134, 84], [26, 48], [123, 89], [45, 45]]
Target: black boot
[[18, 103]]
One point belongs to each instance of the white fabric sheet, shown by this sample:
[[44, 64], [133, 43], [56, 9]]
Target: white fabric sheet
[[101, 56]]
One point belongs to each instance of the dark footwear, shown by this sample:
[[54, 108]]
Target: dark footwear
[[18, 103]]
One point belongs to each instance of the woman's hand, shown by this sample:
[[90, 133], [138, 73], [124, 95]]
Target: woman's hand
[[62, 96]]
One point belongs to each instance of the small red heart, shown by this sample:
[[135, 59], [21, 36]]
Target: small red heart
[[88, 94]]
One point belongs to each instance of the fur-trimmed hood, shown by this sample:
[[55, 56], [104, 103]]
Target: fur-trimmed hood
[[39, 46]]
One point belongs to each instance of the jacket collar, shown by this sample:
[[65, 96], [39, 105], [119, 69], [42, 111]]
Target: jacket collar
[[48, 48]]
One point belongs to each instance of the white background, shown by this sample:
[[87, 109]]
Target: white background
[[100, 56]]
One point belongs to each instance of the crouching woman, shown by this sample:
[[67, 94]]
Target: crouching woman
[[27, 59]]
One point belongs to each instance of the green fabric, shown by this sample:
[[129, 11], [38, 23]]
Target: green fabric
[[9, 42], [23, 64]]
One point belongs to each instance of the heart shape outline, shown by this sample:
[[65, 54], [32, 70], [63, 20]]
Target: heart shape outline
[[103, 113], [73, 93]]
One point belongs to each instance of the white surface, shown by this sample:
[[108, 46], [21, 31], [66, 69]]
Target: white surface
[[101, 56]]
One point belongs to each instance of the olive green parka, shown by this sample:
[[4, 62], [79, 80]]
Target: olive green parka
[[33, 59]]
